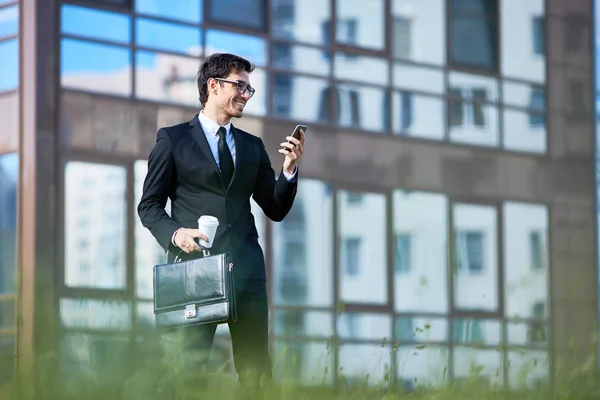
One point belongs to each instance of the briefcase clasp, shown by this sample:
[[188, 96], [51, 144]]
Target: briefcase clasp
[[190, 311]]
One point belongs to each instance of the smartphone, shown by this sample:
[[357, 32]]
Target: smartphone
[[296, 134]]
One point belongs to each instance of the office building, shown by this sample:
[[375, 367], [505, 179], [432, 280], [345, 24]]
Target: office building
[[446, 210]]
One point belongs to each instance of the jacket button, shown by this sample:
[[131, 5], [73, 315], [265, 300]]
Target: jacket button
[[229, 226]]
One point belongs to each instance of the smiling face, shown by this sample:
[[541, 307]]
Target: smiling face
[[226, 94]]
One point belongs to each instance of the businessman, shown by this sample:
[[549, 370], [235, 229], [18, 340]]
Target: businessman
[[209, 167]]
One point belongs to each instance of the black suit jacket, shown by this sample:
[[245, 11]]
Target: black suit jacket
[[181, 167]]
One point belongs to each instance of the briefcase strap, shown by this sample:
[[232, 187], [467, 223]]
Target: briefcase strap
[[205, 253]]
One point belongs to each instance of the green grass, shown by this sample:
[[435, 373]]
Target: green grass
[[117, 373]]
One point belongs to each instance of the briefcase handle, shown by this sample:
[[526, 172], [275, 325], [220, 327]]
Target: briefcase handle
[[205, 253]]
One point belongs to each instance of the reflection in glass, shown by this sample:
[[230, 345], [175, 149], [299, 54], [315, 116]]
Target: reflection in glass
[[363, 107], [485, 364], [166, 77], [523, 50], [294, 322], [362, 247], [299, 59], [9, 179], [93, 23], [364, 364], [421, 367], [473, 36], [95, 67], [419, 30], [304, 363], [361, 68], [531, 333], [527, 368], [418, 116], [95, 314], [9, 67], [364, 326], [355, 27], [476, 332], [183, 10], [301, 98], [471, 120], [148, 252], [9, 115], [525, 131], [475, 257], [524, 95], [253, 48], [168, 36], [480, 88], [301, 20], [302, 249], [9, 20], [95, 225], [526, 260], [419, 78], [420, 255], [243, 13]]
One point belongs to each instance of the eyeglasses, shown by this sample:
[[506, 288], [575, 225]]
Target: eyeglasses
[[242, 87]]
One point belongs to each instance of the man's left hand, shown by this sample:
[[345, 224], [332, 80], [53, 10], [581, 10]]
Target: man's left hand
[[292, 151]]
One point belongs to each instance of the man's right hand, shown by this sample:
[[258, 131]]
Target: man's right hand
[[184, 239]]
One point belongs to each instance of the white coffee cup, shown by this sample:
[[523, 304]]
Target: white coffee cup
[[208, 225]]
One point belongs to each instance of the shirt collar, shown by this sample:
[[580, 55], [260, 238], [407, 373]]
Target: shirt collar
[[211, 125]]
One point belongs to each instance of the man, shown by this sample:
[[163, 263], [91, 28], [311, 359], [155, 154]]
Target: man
[[208, 167]]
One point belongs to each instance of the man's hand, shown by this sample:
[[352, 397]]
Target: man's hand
[[184, 239], [292, 151]]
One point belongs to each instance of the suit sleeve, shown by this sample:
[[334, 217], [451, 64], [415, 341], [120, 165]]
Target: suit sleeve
[[159, 180], [274, 196]]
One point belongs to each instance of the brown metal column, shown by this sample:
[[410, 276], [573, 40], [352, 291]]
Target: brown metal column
[[38, 140]]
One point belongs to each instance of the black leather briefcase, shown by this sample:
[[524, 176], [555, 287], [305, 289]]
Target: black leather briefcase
[[193, 292]]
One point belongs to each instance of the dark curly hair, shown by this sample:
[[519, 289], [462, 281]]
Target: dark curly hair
[[219, 65]]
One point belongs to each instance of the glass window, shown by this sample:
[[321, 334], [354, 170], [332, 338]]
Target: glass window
[[7, 356], [419, 78], [475, 258], [253, 48], [524, 131], [183, 10], [523, 49], [92, 23], [9, 20], [301, 20], [9, 67], [487, 362], [421, 367], [148, 252], [526, 260], [362, 248], [301, 98], [361, 68], [474, 33], [355, 27], [9, 115], [527, 368], [300, 59], [95, 225], [364, 326], [304, 363], [363, 107], [416, 115], [168, 36], [167, 78], [302, 249], [307, 323], [7, 314], [9, 180], [95, 67], [419, 30], [420, 224], [524, 95], [361, 364], [242, 13], [95, 314], [411, 329]]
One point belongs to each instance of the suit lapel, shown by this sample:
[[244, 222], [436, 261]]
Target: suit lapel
[[239, 152], [197, 133]]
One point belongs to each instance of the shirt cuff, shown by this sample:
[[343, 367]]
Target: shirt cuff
[[291, 178], [173, 237]]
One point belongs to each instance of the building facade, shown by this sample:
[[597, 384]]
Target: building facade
[[445, 215]]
